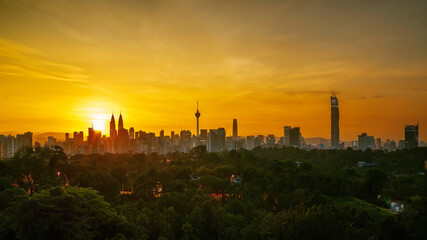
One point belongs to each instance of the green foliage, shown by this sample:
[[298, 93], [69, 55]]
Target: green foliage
[[70, 213], [325, 196]]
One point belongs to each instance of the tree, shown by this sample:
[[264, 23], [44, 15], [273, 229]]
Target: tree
[[68, 213]]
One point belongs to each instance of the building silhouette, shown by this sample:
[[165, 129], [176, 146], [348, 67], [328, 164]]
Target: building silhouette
[[366, 142], [250, 142], [294, 137], [113, 135], [235, 133], [197, 116], [132, 133], [9, 145], [270, 140], [411, 136], [286, 136], [203, 138], [122, 137], [93, 140], [24, 140], [216, 140], [378, 144], [113, 131], [185, 140], [335, 118]]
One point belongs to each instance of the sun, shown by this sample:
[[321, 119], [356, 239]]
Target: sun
[[98, 124], [99, 121]]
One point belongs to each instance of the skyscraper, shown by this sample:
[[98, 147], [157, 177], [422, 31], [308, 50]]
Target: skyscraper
[[286, 136], [131, 133], [294, 137], [120, 125], [122, 137], [197, 116], [235, 134], [366, 142], [378, 143], [270, 140], [24, 140], [411, 136], [216, 140], [335, 118], [113, 134], [113, 131]]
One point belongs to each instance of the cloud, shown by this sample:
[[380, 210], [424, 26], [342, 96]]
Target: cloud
[[16, 60]]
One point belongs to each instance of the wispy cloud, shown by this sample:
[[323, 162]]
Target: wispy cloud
[[16, 60]]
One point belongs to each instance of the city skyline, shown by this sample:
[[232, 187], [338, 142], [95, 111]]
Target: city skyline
[[60, 73], [127, 140], [108, 129], [104, 125]]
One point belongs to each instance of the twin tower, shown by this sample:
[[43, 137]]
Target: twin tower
[[120, 137]]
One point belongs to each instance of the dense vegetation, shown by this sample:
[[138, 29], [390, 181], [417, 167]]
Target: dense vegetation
[[285, 193]]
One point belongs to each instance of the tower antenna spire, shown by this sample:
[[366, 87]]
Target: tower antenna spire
[[197, 117]]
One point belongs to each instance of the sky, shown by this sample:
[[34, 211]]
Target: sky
[[65, 64]]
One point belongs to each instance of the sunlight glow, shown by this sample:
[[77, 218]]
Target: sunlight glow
[[99, 121], [99, 124]]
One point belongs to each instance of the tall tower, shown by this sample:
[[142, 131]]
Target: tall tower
[[286, 136], [235, 135], [120, 125], [411, 136], [197, 116], [335, 119], [113, 131]]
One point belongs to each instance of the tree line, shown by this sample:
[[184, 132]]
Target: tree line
[[282, 193]]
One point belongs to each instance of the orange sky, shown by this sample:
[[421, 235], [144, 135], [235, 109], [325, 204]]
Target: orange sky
[[266, 63]]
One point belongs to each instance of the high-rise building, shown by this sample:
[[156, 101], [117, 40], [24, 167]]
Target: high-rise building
[[197, 116], [185, 139], [294, 137], [51, 141], [173, 139], [235, 133], [216, 140], [401, 144], [8, 146], [78, 138], [411, 136], [366, 142], [203, 136], [113, 131], [378, 144], [390, 145], [250, 142], [24, 140], [270, 141], [260, 140], [93, 140], [213, 145], [286, 136], [132, 133], [335, 118], [120, 124], [113, 134], [122, 137]]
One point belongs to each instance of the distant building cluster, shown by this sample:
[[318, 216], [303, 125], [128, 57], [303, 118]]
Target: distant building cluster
[[369, 142], [122, 140], [9, 145]]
